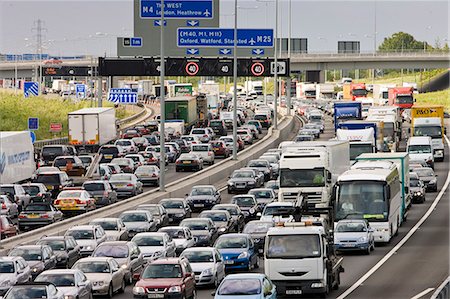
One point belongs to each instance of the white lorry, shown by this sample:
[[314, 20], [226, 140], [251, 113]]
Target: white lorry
[[174, 127], [361, 141], [16, 157], [253, 87], [212, 100], [324, 91], [145, 88], [390, 130], [90, 128], [209, 87], [312, 168]]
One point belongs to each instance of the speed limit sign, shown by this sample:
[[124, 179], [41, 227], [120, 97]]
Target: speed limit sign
[[225, 68], [257, 69], [192, 68]]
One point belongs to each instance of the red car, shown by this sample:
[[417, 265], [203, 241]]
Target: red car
[[166, 278], [7, 227], [241, 143], [142, 130], [220, 148], [128, 134]]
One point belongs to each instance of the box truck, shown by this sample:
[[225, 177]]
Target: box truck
[[401, 97], [90, 128], [346, 110]]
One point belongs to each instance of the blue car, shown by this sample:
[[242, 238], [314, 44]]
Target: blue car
[[246, 286], [238, 251]]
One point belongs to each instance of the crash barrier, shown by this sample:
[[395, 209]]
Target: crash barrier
[[443, 291]]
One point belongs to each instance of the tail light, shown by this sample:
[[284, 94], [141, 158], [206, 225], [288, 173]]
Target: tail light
[[129, 185], [44, 216], [209, 154], [3, 206], [56, 202], [177, 162], [79, 202], [205, 135], [154, 175], [22, 216]]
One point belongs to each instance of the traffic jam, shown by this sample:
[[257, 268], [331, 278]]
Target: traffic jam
[[342, 186]]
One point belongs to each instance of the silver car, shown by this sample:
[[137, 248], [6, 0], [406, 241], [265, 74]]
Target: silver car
[[105, 274], [38, 257], [207, 264], [126, 184], [9, 208], [222, 220], [177, 209], [159, 213], [13, 270], [114, 228], [72, 282], [148, 174], [182, 236], [87, 236], [45, 290], [137, 221], [155, 245]]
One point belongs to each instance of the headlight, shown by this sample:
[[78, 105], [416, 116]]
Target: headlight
[[124, 267], [179, 215], [432, 182], [251, 182], [5, 283], [243, 255], [207, 272], [88, 248], [138, 291], [34, 270], [222, 229], [69, 297], [230, 183], [98, 283], [174, 289], [252, 210], [418, 193], [362, 239]]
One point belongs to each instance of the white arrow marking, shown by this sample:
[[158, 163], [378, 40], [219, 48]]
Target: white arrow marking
[[258, 51], [252, 41], [192, 51], [207, 13], [192, 23], [225, 51]]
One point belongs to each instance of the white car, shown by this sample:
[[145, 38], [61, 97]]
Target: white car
[[128, 145], [202, 133], [191, 139], [205, 151], [272, 210], [155, 245], [181, 235], [88, 237], [207, 264]]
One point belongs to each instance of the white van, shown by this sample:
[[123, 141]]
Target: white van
[[421, 148]]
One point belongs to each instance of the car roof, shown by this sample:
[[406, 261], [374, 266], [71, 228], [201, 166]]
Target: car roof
[[61, 271], [10, 258], [155, 234], [94, 259], [245, 276], [199, 249], [80, 227], [171, 260], [234, 235]]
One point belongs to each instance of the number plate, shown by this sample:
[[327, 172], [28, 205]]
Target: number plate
[[240, 186], [228, 262], [186, 162], [293, 292], [348, 245], [155, 295], [108, 156], [33, 216], [199, 205]]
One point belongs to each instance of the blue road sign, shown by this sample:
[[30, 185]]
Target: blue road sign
[[219, 37], [157, 23], [122, 96], [80, 91], [177, 9], [258, 51], [136, 42], [192, 51], [33, 136], [30, 88], [225, 51], [192, 23], [33, 123]]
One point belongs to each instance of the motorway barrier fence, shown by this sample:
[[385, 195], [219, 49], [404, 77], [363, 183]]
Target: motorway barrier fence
[[443, 291]]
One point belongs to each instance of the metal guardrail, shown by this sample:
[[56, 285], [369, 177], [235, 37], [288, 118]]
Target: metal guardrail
[[443, 291], [121, 122], [369, 54]]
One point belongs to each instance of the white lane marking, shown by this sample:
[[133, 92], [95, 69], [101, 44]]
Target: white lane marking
[[402, 241], [421, 294]]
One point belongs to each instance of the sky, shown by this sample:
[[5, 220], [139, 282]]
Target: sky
[[90, 27]]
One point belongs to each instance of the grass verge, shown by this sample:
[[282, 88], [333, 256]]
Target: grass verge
[[435, 98]]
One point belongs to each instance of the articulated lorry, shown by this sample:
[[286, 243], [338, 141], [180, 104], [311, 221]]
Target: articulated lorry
[[358, 91], [324, 91], [429, 121], [90, 128], [192, 110], [16, 157], [311, 168], [401, 97], [362, 137], [346, 110]]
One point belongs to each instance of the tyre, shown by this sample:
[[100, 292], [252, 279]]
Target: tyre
[[122, 287], [257, 263], [110, 291], [194, 294]]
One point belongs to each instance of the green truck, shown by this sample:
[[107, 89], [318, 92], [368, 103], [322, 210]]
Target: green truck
[[192, 110]]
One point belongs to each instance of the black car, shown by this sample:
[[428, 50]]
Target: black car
[[66, 249], [203, 229], [110, 152], [177, 209], [237, 216], [257, 230], [242, 181], [219, 127], [203, 197], [248, 205], [101, 191]]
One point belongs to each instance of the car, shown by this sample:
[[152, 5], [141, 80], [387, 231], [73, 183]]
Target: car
[[148, 174], [155, 245], [428, 177], [54, 181], [130, 133], [177, 209], [109, 152], [258, 229], [181, 236], [87, 236], [86, 160], [202, 133], [17, 194], [65, 248], [43, 169], [128, 146], [304, 137], [246, 135], [237, 217], [34, 290], [220, 148], [263, 196], [246, 286], [203, 229], [189, 162], [264, 119], [13, 270], [138, 221], [114, 228], [72, 282], [72, 165], [308, 132], [38, 257], [262, 165], [142, 129], [203, 197], [8, 207], [37, 191], [274, 185], [151, 158], [38, 214], [191, 139], [183, 145], [248, 205], [174, 147], [354, 234], [218, 126], [114, 168], [253, 130], [7, 227], [417, 188], [105, 274], [152, 139], [207, 264], [101, 191], [314, 128], [159, 213], [140, 142], [242, 181], [76, 201], [138, 160], [229, 142], [256, 123], [125, 164], [166, 278], [126, 253], [205, 151], [170, 152], [126, 184], [238, 251], [221, 218], [155, 155], [278, 212], [50, 152], [274, 164]]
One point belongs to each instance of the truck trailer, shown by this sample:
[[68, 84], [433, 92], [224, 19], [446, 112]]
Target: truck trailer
[[346, 110]]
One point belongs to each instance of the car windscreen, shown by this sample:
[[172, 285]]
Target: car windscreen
[[257, 227], [6, 190], [94, 186], [348, 227], [69, 194], [55, 245], [162, 271], [205, 256], [143, 240], [196, 225], [242, 174], [231, 242], [79, 234], [200, 148], [135, 217], [28, 254], [244, 201], [27, 292], [123, 142], [240, 287], [48, 179], [293, 246], [37, 208], [109, 150], [198, 132], [6, 267], [201, 191], [52, 150], [172, 204], [221, 217], [93, 267], [114, 251], [32, 190], [59, 280]]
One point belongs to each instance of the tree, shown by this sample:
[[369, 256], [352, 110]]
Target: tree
[[401, 41]]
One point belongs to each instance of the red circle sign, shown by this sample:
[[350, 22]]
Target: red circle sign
[[257, 69], [192, 68]]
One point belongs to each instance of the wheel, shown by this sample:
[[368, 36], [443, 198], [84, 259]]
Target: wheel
[[257, 263], [367, 251], [130, 279], [216, 282], [110, 291], [122, 287], [194, 294], [91, 296], [212, 162]]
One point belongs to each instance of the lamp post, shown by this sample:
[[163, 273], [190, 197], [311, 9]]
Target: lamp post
[[275, 79], [162, 164], [235, 82]]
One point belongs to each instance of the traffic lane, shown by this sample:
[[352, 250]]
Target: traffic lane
[[357, 265], [422, 262]]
